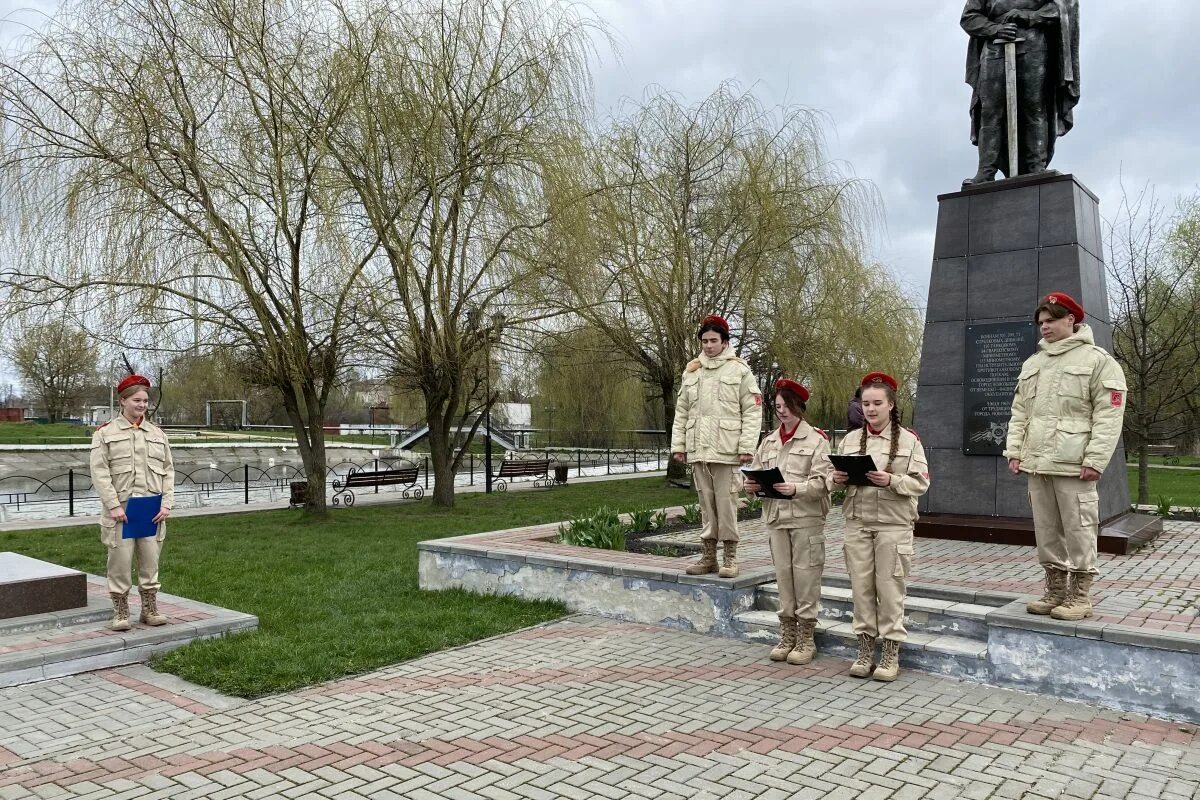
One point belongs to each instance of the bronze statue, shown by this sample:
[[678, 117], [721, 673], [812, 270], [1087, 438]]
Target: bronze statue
[[1038, 40]]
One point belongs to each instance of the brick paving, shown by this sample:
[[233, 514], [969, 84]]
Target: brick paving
[[1158, 587], [586, 708]]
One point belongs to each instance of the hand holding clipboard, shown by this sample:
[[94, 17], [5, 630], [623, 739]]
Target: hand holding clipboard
[[855, 466]]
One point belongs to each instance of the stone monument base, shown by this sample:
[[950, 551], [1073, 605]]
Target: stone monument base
[[29, 586], [1120, 535]]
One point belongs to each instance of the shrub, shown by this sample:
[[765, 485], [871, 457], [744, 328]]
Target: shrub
[[1163, 506], [602, 529], [691, 514]]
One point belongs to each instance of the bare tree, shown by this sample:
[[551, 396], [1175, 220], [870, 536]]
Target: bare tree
[[721, 207], [467, 108], [55, 360], [179, 143], [1154, 265]]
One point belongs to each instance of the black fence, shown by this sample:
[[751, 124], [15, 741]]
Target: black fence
[[75, 486]]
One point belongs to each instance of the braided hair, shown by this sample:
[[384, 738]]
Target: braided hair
[[894, 416]]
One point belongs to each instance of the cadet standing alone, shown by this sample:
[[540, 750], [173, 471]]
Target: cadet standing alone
[[131, 458], [879, 526], [1066, 419], [718, 415], [796, 526]]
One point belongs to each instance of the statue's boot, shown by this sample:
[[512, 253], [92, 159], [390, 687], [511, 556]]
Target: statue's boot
[[983, 176]]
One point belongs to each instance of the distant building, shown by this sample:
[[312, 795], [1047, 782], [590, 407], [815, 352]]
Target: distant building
[[12, 414]]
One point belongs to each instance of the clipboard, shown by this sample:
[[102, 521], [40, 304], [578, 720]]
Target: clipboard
[[765, 478], [139, 513], [855, 465]]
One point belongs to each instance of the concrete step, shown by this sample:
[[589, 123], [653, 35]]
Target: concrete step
[[97, 610], [927, 615], [941, 654]]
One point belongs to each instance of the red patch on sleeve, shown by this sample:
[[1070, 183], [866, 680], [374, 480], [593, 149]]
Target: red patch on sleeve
[[823, 433], [1116, 399], [758, 399]]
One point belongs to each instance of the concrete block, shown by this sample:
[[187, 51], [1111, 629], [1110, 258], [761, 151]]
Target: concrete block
[[942, 353], [950, 240], [939, 416], [947, 290], [1059, 214], [1087, 211], [961, 484], [1001, 285], [1004, 220]]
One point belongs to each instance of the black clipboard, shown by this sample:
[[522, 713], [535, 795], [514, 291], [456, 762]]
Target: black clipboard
[[855, 465], [766, 478]]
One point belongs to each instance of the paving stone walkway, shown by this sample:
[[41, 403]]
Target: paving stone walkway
[[1157, 588], [584, 708]]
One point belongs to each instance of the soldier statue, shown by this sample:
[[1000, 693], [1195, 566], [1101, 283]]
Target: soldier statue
[[1046, 37]]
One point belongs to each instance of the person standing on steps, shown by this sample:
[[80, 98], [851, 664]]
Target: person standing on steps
[[1066, 418], [718, 416], [130, 457], [879, 526], [796, 526]]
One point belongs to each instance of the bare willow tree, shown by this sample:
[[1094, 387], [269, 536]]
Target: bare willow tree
[[704, 208], [467, 110], [1154, 266], [55, 359], [181, 145]]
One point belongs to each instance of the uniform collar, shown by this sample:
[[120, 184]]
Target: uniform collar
[[871, 432]]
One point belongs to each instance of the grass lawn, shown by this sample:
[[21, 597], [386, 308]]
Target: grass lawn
[[35, 433], [1182, 486], [337, 597]]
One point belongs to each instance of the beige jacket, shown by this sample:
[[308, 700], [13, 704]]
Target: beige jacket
[[804, 464], [894, 505], [129, 461], [718, 413], [1068, 409]]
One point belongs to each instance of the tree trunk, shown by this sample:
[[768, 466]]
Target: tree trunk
[[677, 473], [310, 441], [440, 457]]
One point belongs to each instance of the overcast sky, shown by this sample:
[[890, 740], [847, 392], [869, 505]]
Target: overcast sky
[[890, 78]]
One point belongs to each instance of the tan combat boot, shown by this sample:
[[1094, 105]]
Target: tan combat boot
[[729, 565], [708, 559], [889, 663], [1078, 604], [806, 649], [1056, 592], [150, 615], [865, 662], [120, 620], [787, 640]]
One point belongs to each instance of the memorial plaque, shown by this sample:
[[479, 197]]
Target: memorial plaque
[[994, 353]]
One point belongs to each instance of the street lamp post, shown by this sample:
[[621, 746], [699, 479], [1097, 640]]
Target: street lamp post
[[495, 328]]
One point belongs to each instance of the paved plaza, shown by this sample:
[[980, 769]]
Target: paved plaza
[[581, 708]]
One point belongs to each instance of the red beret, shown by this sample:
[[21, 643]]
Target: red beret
[[713, 319], [798, 388], [132, 380], [880, 377], [1066, 301]]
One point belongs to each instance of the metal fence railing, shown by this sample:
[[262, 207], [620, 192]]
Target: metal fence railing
[[72, 492]]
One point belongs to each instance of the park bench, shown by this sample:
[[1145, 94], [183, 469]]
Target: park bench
[[1160, 449], [539, 468], [359, 479]]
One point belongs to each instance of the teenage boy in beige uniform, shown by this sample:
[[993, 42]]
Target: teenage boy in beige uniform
[[1066, 419], [717, 419], [796, 525], [879, 526], [131, 458]]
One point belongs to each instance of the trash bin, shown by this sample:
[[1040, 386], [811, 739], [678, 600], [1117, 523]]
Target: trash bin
[[299, 495], [560, 473]]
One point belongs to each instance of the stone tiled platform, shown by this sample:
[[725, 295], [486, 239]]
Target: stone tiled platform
[[41, 646], [586, 708], [966, 613]]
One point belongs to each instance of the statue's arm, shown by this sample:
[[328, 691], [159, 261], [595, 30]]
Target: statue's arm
[[1046, 15], [975, 20]]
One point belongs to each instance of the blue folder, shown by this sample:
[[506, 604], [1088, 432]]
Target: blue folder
[[140, 511]]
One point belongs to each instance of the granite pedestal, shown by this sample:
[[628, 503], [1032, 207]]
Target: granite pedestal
[[1000, 247], [29, 586]]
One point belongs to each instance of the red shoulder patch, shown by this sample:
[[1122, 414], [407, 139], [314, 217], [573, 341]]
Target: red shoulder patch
[[758, 399], [102, 424], [822, 432], [1116, 399], [914, 433]]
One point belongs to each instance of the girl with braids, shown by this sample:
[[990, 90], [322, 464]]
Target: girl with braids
[[879, 526], [796, 525]]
